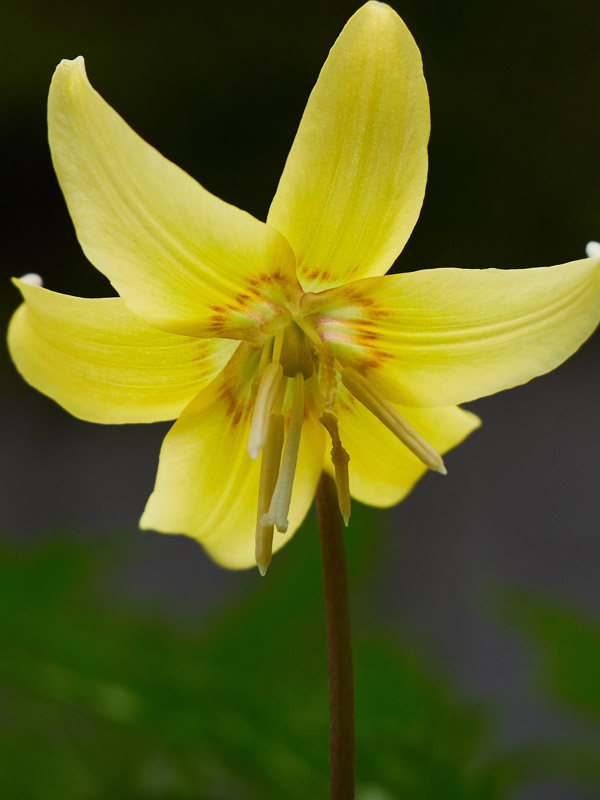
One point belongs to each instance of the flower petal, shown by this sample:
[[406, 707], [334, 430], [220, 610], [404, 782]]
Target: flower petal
[[102, 363], [207, 485], [382, 470], [354, 181], [447, 336], [182, 259]]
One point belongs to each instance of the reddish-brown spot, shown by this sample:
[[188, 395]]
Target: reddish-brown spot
[[366, 301], [373, 362], [381, 313]]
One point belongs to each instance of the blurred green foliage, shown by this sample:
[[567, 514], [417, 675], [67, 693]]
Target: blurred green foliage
[[565, 643], [114, 704], [103, 700]]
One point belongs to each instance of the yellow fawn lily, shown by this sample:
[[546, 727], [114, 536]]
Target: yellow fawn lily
[[281, 348]]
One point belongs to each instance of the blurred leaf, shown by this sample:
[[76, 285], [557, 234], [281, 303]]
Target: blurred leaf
[[566, 651], [566, 646], [105, 703]]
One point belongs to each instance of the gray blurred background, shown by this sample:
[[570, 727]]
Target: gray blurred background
[[514, 174]]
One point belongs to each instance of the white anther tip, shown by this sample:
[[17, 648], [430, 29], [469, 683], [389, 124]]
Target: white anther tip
[[33, 278], [442, 469], [253, 452], [346, 520], [592, 249], [262, 568]]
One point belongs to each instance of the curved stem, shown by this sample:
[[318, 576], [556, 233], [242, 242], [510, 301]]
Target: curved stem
[[339, 644]]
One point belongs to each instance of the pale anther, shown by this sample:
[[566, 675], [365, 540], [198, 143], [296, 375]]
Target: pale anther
[[269, 469], [365, 393], [265, 395], [282, 494]]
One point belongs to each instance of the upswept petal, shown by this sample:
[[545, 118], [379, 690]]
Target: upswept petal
[[447, 336], [207, 485], [382, 470], [182, 259], [102, 363], [354, 181]]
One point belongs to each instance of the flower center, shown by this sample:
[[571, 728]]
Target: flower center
[[296, 369]]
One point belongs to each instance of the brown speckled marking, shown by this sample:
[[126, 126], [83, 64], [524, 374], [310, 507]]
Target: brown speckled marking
[[381, 313], [373, 360], [236, 407], [217, 322]]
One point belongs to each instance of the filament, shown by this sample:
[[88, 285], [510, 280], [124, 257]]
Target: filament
[[386, 413]]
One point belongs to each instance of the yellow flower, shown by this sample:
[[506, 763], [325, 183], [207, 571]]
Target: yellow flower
[[260, 337]]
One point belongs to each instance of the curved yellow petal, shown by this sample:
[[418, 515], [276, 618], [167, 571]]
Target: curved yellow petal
[[181, 259], [354, 181], [382, 470], [207, 485], [102, 363], [447, 336]]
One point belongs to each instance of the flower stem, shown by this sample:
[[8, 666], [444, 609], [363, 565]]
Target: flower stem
[[339, 644]]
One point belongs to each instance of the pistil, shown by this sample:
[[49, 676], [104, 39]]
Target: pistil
[[365, 393], [282, 494]]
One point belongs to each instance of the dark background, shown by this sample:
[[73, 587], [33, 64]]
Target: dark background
[[514, 174]]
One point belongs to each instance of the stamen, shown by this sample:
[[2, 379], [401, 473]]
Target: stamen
[[282, 494], [386, 413], [264, 356], [339, 459], [326, 359], [277, 345], [269, 468], [267, 389]]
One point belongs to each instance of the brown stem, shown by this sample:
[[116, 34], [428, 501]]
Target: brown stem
[[339, 644]]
